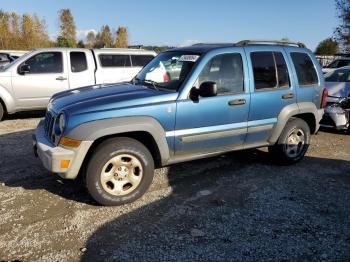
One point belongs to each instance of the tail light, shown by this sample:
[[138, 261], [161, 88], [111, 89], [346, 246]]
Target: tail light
[[324, 98], [166, 78]]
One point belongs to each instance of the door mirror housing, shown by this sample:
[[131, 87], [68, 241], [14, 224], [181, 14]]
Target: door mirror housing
[[208, 89], [23, 69]]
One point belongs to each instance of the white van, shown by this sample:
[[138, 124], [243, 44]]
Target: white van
[[28, 82]]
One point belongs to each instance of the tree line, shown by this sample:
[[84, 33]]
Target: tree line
[[340, 41], [22, 32], [25, 32], [30, 31]]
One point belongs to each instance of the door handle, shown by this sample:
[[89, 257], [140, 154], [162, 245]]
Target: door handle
[[61, 78], [288, 96], [236, 102]]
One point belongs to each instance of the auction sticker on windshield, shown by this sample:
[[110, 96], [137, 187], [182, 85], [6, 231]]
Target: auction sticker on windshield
[[188, 58]]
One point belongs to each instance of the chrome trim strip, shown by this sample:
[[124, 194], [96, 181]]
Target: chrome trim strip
[[255, 129], [262, 122], [254, 126], [213, 135], [207, 129]]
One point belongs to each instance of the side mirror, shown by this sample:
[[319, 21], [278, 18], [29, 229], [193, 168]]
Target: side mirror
[[23, 69], [208, 89]]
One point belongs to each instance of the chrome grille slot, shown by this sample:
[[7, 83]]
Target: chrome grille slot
[[49, 124]]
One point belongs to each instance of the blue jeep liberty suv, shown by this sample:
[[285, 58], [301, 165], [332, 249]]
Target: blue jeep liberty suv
[[187, 103]]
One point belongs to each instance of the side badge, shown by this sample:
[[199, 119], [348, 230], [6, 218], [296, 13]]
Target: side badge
[[169, 109]]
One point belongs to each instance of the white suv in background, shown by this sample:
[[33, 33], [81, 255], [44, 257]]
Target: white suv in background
[[30, 81]]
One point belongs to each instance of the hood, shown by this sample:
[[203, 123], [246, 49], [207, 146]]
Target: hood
[[102, 97], [338, 89]]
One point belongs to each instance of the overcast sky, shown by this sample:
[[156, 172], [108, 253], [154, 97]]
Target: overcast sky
[[181, 22]]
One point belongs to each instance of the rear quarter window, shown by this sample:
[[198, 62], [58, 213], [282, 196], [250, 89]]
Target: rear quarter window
[[110, 60], [140, 60], [305, 69]]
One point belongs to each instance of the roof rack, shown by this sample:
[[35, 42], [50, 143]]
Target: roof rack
[[210, 43], [280, 42]]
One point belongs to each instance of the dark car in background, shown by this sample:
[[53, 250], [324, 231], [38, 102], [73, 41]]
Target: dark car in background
[[337, 63]]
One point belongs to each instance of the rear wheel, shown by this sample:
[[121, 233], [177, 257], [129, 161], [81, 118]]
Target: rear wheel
[[292, 143], [119, 172]]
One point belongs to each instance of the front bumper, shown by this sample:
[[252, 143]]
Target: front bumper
[[51, 155]]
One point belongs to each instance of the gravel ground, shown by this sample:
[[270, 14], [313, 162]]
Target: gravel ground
[[238, 207]]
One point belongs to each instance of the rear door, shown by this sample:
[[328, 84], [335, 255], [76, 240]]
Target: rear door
[[81, 68], [273, 88], [307, 78], [48, 75]]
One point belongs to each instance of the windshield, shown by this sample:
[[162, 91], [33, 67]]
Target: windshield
[[341, 75], [167, 70]]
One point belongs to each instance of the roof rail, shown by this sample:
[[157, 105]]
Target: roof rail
[[280, 42], [198, 44]]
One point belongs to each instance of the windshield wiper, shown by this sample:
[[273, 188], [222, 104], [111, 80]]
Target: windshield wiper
[[153, 83]]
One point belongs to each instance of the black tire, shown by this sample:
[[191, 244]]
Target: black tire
[[119, 148], [2, 111], [294, 127]]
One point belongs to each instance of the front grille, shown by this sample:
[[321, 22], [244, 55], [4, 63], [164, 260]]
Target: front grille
[[49, 124]]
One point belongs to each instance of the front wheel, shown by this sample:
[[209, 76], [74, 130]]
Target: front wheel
[[292, 143], [119, 172]]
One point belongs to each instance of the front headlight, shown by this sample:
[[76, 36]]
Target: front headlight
[[49, 106], [60, 124]]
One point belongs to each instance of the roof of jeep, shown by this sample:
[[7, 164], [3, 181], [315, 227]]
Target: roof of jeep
[[206, 47], [200, 48]]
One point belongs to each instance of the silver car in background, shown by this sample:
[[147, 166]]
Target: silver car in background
[[337, 110]]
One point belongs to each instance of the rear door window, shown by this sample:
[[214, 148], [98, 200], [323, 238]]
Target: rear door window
[[111, 60], [270, 70], [78, 62], [305, 69], [282, 70], [140, 60]]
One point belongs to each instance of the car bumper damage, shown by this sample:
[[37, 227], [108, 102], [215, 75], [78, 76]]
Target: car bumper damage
[[337, 113], [337, 117], [66, 162]]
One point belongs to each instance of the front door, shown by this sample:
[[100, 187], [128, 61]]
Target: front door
[[219, 123], [47, 75]]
